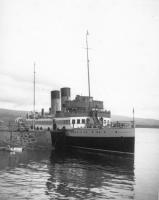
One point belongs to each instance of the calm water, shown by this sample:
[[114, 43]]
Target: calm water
[[81, 175]]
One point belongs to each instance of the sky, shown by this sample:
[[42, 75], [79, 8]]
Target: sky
[[123, 51]]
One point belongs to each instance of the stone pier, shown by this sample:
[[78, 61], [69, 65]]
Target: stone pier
[[26, 139]]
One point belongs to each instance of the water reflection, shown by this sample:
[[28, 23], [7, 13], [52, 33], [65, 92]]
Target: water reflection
[[69, 175], [11, 160], [81, 175], [46, 175], [23, 175]]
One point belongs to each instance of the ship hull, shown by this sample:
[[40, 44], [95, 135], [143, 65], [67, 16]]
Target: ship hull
[[113, 140], [112, 144]]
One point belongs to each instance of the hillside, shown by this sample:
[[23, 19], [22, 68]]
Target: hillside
[[140, 122], [10, 115]]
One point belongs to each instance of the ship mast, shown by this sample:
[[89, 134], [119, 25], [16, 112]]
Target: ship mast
[[34, 100], [89, 92], [133, 118]]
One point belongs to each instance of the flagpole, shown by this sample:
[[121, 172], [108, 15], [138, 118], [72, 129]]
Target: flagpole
[[133, 118], [89, 91], [34, 100]]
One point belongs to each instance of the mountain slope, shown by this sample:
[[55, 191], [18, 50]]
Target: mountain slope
[[140, 122], [10, 115]]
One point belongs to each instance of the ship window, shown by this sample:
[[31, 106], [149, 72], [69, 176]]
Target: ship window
[[73, 121], [78, 121], [67, 122], [83, 121]]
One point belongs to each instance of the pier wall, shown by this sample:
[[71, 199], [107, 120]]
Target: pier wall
[[26, 139]]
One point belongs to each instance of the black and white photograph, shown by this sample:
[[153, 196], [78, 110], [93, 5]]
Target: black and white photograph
[[79, 99]]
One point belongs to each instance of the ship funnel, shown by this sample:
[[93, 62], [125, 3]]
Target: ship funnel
[[65, 96], [42, 112], [55, 101]]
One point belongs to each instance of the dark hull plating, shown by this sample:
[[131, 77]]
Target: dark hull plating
[[114, 144]]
